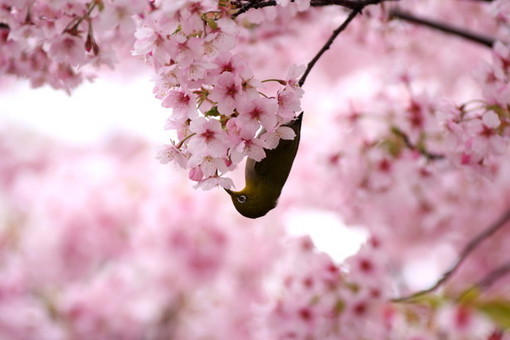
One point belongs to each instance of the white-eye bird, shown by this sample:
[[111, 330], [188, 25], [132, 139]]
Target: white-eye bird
[[265, 179]]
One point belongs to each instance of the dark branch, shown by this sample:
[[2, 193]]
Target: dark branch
[[328, 43], [351, 4], [355, 5], [468, 249], [478, 38], [249, 5], [244, 6]]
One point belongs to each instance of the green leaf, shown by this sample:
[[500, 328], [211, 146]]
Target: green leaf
[[339, 307], [393, 145], [100, 5], [497, 310], [212, 112], [469, 296], [212, 23]]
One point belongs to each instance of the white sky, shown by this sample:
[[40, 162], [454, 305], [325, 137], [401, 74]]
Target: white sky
[[91, 112]]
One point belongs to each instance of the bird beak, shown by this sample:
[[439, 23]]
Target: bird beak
[[228, 191]]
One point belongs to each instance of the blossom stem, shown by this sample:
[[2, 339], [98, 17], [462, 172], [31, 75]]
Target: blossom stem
[[280, 81], [72, 27], [405, 138], [468, 249], [328, 43], [178, 146], [472, 36]]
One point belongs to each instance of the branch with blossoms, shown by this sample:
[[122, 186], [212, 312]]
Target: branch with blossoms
[[218, 104], [51, 42], [245, 5]]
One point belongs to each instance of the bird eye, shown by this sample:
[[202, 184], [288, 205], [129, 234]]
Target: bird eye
[[241, 198]]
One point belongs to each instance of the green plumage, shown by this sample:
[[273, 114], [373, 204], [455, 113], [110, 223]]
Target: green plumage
[[265, 179]]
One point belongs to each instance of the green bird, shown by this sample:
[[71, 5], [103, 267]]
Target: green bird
[[265, 179]]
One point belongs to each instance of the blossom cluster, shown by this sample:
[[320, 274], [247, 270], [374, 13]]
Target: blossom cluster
[[52, 42], [479, 129], [218, 104], [324, 300]]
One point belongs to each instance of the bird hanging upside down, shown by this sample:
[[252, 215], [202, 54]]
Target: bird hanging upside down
[[265, 179]]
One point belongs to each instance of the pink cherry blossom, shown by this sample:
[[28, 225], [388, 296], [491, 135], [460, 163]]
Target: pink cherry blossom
[[182, 104], [460, 320], [169, 153], [227, 93], [272, 138], [258, 111], [209, 137]]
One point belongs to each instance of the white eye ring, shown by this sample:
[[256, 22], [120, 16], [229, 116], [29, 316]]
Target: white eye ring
[[241, 198]]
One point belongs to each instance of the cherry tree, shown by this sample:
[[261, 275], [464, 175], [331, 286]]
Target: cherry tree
[[405, 132]]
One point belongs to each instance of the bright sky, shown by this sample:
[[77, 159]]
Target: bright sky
[[92, 111]]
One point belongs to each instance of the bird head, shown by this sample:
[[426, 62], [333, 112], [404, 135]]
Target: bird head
[[251, 203]]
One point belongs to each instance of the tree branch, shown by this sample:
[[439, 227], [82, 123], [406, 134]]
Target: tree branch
[[355, 5], [328, 43], [246, 5], [472, 36], [351, 4], [251, 4], [468, 249]]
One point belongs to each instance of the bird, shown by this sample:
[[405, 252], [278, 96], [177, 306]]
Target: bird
[[265, 179]]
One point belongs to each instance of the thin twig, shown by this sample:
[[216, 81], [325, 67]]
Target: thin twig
[[468, 249], [494, 276], [487, 281], [440, 26], [328, 43], [72, 26], [405, 138]]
